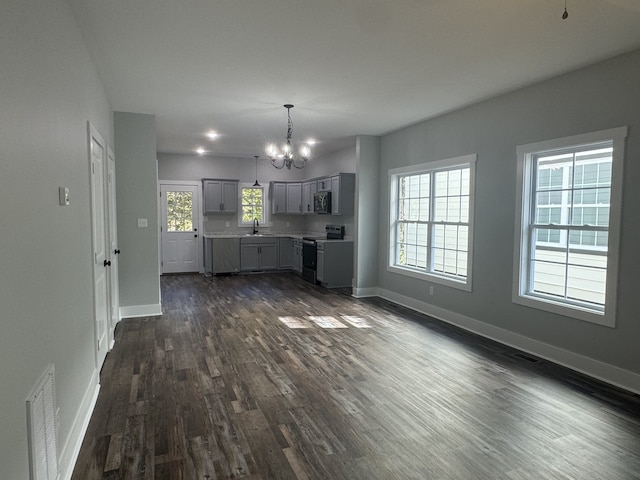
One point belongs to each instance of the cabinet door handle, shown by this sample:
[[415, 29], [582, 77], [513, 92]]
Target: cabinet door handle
[[116, 251], [107, 263]]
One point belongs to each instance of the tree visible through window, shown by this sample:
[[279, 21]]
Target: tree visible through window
[[252, 204], [179, 211]]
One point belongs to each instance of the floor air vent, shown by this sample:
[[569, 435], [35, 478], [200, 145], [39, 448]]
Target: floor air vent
[[41, 422], [526, 357]]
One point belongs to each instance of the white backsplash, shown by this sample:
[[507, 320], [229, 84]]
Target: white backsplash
[[310, 224]]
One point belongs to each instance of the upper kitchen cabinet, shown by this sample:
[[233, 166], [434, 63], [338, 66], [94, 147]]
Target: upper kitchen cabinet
[[278, 198], [308, 189], [343, 190], [286, 198], [294, 198], [220, 196], [324, 184]]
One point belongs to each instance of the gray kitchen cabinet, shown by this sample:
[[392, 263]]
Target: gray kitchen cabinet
[[258, 253], [279, 198], [320, 265], [343, 191], [324, 184], [297, 255], [334, 265], [225, 255], [286, 259], [294, 198], [220, 196], [308, 189]]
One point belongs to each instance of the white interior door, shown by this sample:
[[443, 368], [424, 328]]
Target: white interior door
[[179, 230], [114, 251], [97, 158]]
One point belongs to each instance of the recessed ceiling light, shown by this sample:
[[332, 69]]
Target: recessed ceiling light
[[311, 141], [201, 151], [212, 135]]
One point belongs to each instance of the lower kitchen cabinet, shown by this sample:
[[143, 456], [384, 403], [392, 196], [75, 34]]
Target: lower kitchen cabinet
[[221, 255], [334, 263], [297, 255], [286, 260], [258, 253]]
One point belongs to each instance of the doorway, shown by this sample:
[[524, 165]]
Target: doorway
[[180, 239]]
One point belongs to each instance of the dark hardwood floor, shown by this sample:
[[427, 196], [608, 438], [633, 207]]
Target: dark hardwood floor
[[269, 377]]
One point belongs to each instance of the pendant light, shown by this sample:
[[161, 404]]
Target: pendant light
[[256, 184]]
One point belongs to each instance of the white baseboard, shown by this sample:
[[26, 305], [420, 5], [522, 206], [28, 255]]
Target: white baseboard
[[141, 311], [594, 368], [71, 448], [365, 292]]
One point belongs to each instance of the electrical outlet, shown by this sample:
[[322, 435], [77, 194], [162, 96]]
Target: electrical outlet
[[226, 224], [288, 224], [430, 289], [143, 223]]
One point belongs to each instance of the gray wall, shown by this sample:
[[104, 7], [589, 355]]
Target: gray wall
[[602, 96], [367, 213], [137, 197], [49, 89]]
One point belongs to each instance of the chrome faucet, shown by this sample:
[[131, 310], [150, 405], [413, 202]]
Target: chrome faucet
[[255, 225]]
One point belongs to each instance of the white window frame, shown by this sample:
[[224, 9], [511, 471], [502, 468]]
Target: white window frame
[[466, 161], [521, 258], [266, 221]]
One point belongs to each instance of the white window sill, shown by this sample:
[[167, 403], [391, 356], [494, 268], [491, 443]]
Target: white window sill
[[431, 277], [576, 312]]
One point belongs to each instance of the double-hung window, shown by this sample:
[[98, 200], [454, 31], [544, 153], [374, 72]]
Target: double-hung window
[[431, 221], [568, 222], [252, 205]]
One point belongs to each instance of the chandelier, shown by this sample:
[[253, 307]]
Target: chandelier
[[285, 157]]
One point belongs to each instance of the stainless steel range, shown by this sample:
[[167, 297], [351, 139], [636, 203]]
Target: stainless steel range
[[310, 250]]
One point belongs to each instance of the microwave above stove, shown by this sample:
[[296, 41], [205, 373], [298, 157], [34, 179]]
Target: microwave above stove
[[322, 202]]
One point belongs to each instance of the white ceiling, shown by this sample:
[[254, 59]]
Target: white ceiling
[[349, 66]]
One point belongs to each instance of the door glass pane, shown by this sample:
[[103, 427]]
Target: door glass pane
[[179, 211]]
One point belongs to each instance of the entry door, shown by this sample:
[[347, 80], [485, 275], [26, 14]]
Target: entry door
[[114, 251], [180, 239], [97, 157]]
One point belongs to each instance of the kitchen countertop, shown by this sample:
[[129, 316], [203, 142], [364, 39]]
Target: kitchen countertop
[[249, 235]]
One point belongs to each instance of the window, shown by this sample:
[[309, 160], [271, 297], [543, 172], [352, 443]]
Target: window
[[431, 216], [566, 252], [179, 211], [252, 205]]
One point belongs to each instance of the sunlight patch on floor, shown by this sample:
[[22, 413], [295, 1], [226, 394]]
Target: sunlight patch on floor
[[325, 322], [294, 322]]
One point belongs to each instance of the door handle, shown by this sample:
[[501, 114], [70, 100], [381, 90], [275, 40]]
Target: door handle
[[107, 263]]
